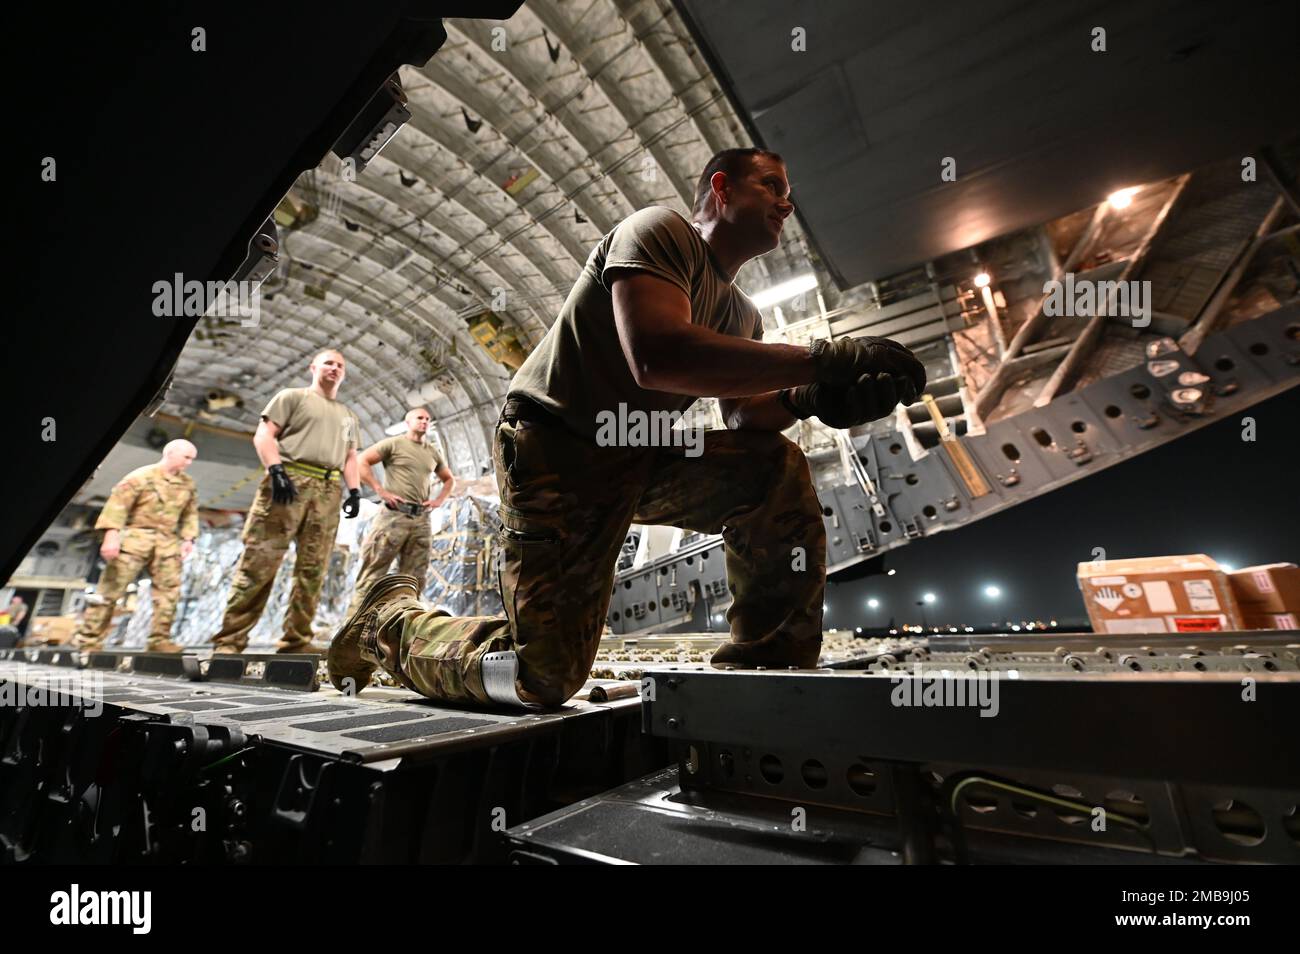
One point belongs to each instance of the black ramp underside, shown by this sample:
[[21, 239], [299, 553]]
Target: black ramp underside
[[167, 159], [1038, 123]]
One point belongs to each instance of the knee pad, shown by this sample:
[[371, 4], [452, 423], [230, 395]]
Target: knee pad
[[499, 671]]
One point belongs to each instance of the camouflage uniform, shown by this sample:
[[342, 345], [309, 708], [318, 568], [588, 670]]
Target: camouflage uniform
[[312, 520], [393, 534], [315, 437], [566, 505], [154, 512]]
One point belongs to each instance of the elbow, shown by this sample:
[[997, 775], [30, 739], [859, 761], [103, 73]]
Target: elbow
[[646, 375], [651, 367]]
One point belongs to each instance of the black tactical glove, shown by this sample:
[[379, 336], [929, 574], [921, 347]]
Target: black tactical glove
[[352, 506], [871, 397], [282, 489], [844, 360]]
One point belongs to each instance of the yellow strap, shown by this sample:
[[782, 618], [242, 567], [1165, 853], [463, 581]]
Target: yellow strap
[[311, 470]]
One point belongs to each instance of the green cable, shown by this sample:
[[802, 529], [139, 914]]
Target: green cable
[[224, 759], [1039, 796]]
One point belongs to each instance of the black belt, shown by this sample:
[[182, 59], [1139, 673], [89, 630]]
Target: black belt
[[410, 509], [526, 409]]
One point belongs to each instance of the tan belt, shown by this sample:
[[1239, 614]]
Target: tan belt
[[310, 470]]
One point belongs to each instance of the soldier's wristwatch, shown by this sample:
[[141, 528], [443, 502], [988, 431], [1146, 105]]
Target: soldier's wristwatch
[[784, 397]]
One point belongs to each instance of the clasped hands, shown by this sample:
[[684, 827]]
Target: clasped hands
[[858, 380]]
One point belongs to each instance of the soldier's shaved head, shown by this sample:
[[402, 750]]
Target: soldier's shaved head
[[177, 455], [328, 351], [328, 368], [418, 420]]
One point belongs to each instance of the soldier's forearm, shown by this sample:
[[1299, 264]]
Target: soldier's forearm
[[762, 412], [368, 475], [268, 451], [444, 493], [699, 362], [350, 472]]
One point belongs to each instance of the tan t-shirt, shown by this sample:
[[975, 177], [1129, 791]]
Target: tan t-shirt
[[408, 466], [313, 429], [578, 370]]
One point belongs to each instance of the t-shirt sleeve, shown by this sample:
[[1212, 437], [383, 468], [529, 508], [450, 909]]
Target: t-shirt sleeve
[[654, 240], [751, 317], [120, 501], [385, 450], [280, 408], [354, 437]]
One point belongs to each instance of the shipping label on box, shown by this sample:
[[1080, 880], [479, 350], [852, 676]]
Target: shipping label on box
[[1178, 594]]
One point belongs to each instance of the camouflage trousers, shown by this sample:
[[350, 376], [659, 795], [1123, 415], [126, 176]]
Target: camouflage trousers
[[393, 535], [311, 521], [566, 506], [141, 548]]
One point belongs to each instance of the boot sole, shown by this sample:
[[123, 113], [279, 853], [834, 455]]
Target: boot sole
[[377, 592]]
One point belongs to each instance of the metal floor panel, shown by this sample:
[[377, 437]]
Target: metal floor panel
[[380, 724], [99, 766], [652, 821]]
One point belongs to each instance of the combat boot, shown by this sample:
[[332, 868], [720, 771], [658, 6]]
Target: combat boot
[[163, 646], [346, 660], [294, 646], [775, 651]]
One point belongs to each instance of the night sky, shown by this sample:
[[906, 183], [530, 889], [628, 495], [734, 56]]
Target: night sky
[[1206, 492]]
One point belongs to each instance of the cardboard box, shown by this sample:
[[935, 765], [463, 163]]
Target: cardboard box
[[1270, 589], [1272, 621], [51, 630], [1173, 594]]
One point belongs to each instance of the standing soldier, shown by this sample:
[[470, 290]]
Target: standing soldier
[[151, 519], [401, 531], [305, 440]]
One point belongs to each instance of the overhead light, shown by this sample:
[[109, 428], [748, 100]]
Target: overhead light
[[1122, 198], [785, 290], [928, 597], [891, 573], [873, 602], [982, 280], [992, 592], [394, 430]]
